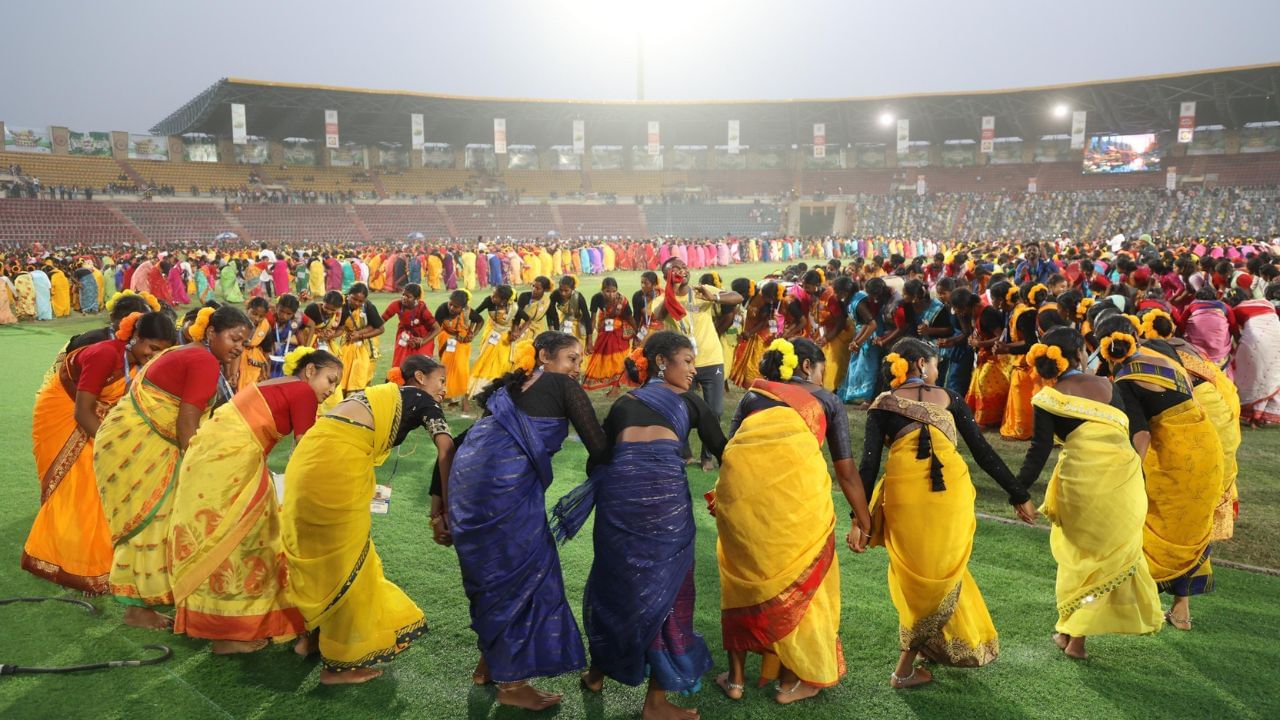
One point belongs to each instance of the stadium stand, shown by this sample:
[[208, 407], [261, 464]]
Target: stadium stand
[[602, 220], [419, 183], [297, 223], [710, 220], [397, 221], [64, 222], [544, 183], [182, 176], [53, 170], [489, 220], [176, 222]]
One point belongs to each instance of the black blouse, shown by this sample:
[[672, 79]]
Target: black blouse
[[839, 439], [883, 427], [1047, 427], [628, 411], [418, 409]]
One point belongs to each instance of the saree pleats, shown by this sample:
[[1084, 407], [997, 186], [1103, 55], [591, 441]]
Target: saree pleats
[[989, 389], [779, 575], [1019, 419], [929, 537], [606, 363], [335, 577], [510, 567], [69, 542], [1221, 404], [1183, 470], [836, 353], [862, 375], [227, 564], [1097, 503], [495, 357], [746, 359]]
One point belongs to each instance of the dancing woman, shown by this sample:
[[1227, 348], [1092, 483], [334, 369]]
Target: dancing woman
[[779, 575], [495, 494], [1096, 499], [923, 514], [335, 574], [495, 355], [70, 543], [254, 367], [759, 328], [1181, 461], [613, 321], [868, 309], [639, 600], [227, 565], [138, 450], [1021, 334]]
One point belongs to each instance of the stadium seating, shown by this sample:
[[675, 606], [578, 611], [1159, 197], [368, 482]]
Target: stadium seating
[[181, 176], [528, 221], [321, 179], [602, 220], [625, 182], [69, 171], [397, 221], [743, 182], [66, 222], [418, 183], [544, 183], [710, 220], [176, 222], [298, 223]]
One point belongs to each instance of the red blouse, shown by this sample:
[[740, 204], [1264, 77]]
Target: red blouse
[[417, 320], [190, 374], [96, 364], [293, 406]]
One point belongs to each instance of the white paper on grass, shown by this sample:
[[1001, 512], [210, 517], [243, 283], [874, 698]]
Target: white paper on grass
[[381, 502]]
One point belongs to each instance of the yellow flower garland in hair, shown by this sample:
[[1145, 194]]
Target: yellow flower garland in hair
[[1082, 310], [1012, 294], [1036, 290], [1133, 320], [1053, 352], [1148, 326], [526, 357], [200, 325], [715, 279], [898, 367], [822, 276], [111, 302], [152, 302], [751, 289], [789, 360], [294, 357], [125, 332], [1109, 355]]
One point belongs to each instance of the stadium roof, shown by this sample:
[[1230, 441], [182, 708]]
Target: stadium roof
[[1230, 97]]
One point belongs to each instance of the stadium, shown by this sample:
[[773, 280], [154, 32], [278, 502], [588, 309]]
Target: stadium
[[940, 280]]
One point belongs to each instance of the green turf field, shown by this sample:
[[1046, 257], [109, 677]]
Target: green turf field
[[1224, 668]]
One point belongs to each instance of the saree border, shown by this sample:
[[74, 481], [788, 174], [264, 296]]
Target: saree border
[[924, 413], [404, 636], [1095, 593], [778, 616], [929, 626], [351, 577]]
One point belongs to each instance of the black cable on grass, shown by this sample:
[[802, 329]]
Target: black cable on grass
[[10, 669]]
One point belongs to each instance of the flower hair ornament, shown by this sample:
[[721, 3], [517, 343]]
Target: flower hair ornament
[[638, 359], [526, 357], [1035, 292], [1148, 325], [200, 325], [1134, 321], [295, 356], [1082, 310], [789, 360], [125, 332], [394, 375], [1107, 345], [1011, 295], [751, 288], [898, 368], [715, 279], [1053, 352]]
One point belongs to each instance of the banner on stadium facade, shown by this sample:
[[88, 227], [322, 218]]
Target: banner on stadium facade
[[579, 138], [499, 136], [1052, 148], [655, 139], [93, 144], [958, 153], [522, 157], [819, 140], [1005, 151], [773, 157], [254, 151], [1077, 130], [988, 134], [417, 132], [642, 159], [437, 156], [239, 131], [1208, 141], [28, 140], [921, 186], [1171, 178], [1187, 122], [481, 157], [563, 157], [915, 155], [148, 147], [730, 161], [299, 151], [348, 156], [393, 158], [606, 157], [331, 129], [1260, 137], [198, 148], [868, 155], [689, 158], [734, 137], [904, 136], [1031, 185]]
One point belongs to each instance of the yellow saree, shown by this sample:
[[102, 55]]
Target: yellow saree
[[1183, 469], [253, 361], [335, 574], [69, 543], [1097, 504], [135, 459], [779, 576], [226, 562], [1221, 402], [929, 538], [495, 354], [358, 361]]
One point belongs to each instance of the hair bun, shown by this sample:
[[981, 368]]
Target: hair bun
[[898, 368], [294, 357], [200, 325], [127, 326]]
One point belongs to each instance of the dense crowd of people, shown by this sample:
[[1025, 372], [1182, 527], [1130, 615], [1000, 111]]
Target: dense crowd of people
[[1142, 357]]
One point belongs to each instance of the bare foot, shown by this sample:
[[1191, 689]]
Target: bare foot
[[708, 465], [1179, 622], [1061, 641], [919, 676], [237, 647], [135, 616], [480, 676], [308, 644], [526, 697], [658, 707], [350, 677], [797, 692], [1075, 649], [592, 680], [733, 691]]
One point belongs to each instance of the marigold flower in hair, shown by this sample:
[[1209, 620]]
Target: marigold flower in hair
[[526, 357], [1011, 295], [1036, 290], [200, 325], [1106, 347], [125, 332], [395, 375], [1148, 326], [898, 368], [111, 302], [294, 357], [641, 362], [1082, 309]]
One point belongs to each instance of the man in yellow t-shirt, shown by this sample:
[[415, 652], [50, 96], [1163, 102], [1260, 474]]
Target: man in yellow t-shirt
[[699, 325]]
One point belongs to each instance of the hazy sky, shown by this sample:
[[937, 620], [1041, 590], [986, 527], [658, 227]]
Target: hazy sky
[[125, 64]]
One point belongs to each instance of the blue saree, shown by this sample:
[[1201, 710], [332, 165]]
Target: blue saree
[[860, 379], [639, 599], [88, 293], [510, 567]]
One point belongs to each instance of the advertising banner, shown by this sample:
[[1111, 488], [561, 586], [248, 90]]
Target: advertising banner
[[254, 151], [1187, 122], [393, 158], [94, 144], [579, 137], [988, 134], [1006, 151], [1031, 185], [726, 160], [481, 157], [1171, 179], [198, 148], [1052, 149], [916, 155], [298, 151], [734, 137], [522, 157], [564, 157], [772, 158], [28, 140], [331, 129], [149, 147], [958, 154], [347, 156], [921, 186], [1260, 137], [606, 157], [655, 139], [417, 132], [868, 155], [239, 132], [500, 136], [1077, 130], [689, 158], [904, 136], [642, 159], [819, 140], [1208, 141]]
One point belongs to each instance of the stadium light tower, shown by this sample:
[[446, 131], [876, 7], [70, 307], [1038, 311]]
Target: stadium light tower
[[1061, 110], [886, 118]]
